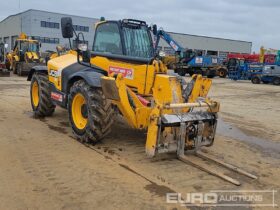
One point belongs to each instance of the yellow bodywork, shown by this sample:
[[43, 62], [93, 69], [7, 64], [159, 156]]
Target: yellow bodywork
[[155, 85], [145, 94], [150, 82], [57, 64], [143, 76], [263, 51]]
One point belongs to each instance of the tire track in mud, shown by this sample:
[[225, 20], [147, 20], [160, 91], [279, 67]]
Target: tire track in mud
[[46, 161], [134, 152], [129, 144], [125, 147]]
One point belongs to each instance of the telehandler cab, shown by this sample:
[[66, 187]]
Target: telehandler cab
[[122, 70]]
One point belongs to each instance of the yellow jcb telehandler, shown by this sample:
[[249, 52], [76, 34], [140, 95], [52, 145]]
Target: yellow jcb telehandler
[[122, 70], [25, 55]]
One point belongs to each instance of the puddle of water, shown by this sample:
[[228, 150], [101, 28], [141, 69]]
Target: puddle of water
[[231, 131]]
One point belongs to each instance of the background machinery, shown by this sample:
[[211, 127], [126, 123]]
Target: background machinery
[[188, 61], [269, 56], [3, 70], [240, 68], [269, 74], [244, 66], [25, 54], [123, 73]]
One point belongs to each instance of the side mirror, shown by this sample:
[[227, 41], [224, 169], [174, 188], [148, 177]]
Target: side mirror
[[66, 27], [155, 29]]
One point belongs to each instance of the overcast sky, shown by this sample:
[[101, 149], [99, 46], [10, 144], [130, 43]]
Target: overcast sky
[[249, 20]]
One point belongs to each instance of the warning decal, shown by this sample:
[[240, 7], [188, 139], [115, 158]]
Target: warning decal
[[56, 96], [127, 73]]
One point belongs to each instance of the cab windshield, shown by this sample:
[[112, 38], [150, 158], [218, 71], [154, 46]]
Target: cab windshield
[[34, 47], [29, 46], [138, 42], [130, 40]]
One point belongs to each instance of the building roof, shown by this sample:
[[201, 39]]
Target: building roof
[[211, 37], [29, 10]]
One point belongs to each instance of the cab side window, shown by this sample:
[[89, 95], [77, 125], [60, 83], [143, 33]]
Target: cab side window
[[108, 39]]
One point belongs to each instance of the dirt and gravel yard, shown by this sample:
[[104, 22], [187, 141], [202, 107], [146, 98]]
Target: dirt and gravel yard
[[43, 167]]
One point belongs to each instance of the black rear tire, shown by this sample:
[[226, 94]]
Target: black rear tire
[[181, 72], [256, 80], [8, 65], [191, 73], [99, 113], [20, 69], [14, 68], [222, 73], [45, 106], [276, 81], [199, 71]]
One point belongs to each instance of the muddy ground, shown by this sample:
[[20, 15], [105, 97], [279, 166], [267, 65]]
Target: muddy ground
[[43, 167]]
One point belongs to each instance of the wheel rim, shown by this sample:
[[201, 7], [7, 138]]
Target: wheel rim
[[222, 73], [79, 111], [35, 93]]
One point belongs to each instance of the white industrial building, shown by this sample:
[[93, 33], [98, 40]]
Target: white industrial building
[[208, 45], [45, 26]]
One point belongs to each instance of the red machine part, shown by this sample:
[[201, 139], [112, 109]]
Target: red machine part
[[253, 58], [144, 101], [2, 66]]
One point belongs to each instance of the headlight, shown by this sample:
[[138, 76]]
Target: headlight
[[82, 47]]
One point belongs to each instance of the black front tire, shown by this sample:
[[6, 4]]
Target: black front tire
[[199, 71], [99, 113], [256, 80], [276, 81], [222, 73], [45, 106], [19, 69], [8, 65], [14, 68], [181, 72]]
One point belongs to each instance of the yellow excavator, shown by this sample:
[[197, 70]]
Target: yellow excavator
[[122, 74], [25, 55]]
